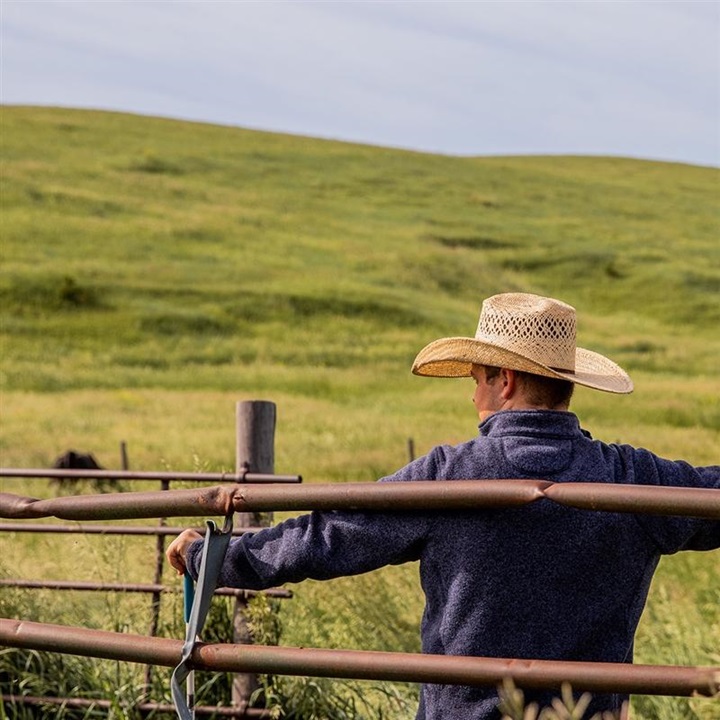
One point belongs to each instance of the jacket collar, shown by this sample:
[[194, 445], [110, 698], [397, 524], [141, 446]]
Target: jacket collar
[[537, 423]]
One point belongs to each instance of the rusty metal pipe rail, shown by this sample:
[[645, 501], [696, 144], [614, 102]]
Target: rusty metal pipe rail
[[131, 587], [144, 708], [241, 477], [387, 497], [365, 664], [157, 530]]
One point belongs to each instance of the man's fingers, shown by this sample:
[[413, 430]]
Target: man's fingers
[[176, 560], [177, 550]]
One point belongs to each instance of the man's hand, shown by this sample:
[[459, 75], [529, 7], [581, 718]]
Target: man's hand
[[177, 550]]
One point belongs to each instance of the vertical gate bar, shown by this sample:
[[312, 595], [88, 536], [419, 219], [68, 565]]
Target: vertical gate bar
[[254, 452], [155, 600]]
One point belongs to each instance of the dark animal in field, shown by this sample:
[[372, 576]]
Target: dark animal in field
[[73, 460]]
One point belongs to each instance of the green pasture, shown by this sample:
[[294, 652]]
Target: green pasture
[[155, 272]]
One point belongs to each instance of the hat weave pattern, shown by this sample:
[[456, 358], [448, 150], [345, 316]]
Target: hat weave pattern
[[541, 331]]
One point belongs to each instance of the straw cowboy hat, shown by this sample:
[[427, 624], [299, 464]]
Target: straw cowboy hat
[[524, 332]]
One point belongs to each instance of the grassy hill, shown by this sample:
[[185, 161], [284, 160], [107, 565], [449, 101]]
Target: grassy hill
[[156, 271], [135, 245]]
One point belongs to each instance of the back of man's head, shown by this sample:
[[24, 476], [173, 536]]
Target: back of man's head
[[546, 392], [539, 391]]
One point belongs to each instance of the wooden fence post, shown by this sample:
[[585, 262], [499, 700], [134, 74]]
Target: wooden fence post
[[254, 452]]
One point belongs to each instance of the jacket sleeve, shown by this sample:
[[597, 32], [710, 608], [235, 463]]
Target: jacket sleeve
[[319, 546], [324, 545], [674, 533]]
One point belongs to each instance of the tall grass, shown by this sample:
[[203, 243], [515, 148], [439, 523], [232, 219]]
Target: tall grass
[[156, 272]]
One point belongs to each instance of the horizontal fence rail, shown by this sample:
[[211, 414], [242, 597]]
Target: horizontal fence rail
[[365, 664], [133, 588], [241, 477], [157, 530], [389, 496], [153, 709]]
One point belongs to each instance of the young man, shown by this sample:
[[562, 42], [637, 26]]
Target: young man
[[540, 581]]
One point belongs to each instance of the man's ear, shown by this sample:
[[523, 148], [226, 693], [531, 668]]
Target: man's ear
[[508, 378]]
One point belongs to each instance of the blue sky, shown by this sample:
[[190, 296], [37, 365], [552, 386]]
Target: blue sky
[[637, 79]]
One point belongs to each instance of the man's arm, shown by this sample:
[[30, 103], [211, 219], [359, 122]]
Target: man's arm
[[675, 533], [319, 546]]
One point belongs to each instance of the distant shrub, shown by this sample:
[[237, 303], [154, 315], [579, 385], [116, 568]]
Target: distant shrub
[[51, 293], [155, 165], [472, 242], [73, 294], [642, 347], [270, 307], [186, 323]]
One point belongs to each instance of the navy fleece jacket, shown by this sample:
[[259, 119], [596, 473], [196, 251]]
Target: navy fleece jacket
[[540, 581]]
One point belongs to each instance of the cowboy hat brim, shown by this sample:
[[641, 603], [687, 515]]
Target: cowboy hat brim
[[454, 357]]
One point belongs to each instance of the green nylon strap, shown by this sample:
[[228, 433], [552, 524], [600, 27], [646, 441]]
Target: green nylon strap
[[213, 554]]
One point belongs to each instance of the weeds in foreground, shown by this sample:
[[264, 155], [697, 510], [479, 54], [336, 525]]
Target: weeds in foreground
[[110, 689], [566, 707], [307, 698]]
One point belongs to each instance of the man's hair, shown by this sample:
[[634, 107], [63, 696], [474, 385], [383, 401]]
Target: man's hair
[[539, 390]]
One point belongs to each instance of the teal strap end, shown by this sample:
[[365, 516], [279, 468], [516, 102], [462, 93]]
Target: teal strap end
[[188, 595]]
